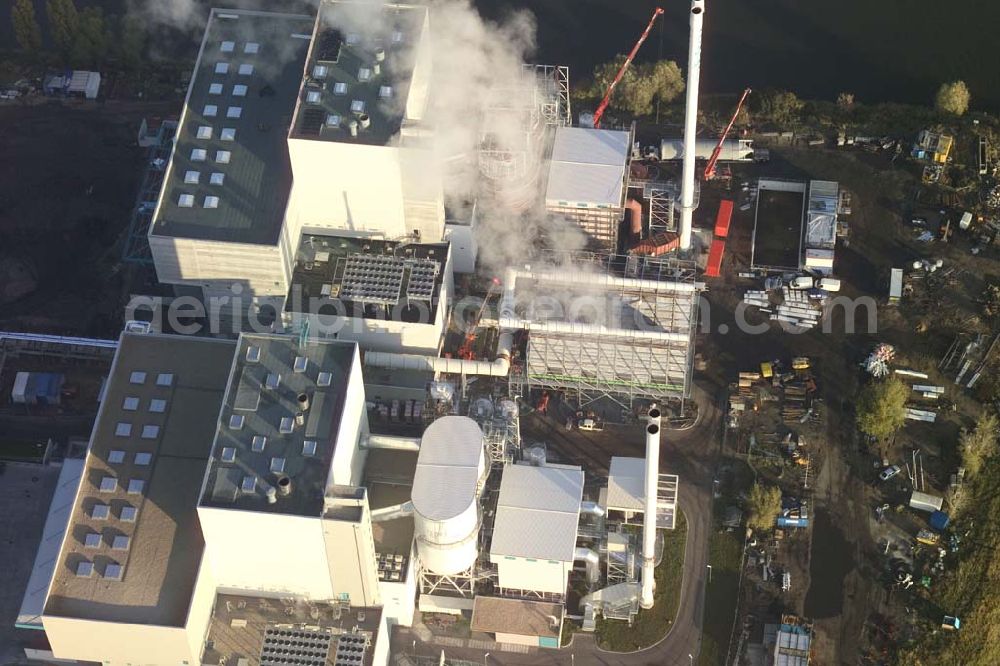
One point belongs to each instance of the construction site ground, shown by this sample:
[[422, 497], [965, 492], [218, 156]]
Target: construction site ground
[[842, 588]]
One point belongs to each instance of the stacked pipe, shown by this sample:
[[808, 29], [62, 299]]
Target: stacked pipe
[[649, 513]]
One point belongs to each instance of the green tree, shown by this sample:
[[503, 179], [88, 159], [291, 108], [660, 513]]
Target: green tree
[[91, 40], [882, 408], [641, 85], [764, 506], [953, 98], [64, 21], [976, 446], [26, 30], [845, 101], [779, 106], [131, 42]]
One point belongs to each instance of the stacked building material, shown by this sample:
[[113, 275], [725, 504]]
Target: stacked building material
[[797, 309], [758, 298]]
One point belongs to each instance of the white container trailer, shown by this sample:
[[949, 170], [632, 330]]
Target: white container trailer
[[19, 394], [733, 150], [924, 502], [896, 285]]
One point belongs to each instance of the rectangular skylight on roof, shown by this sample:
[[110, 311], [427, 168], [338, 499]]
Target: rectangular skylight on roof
[[239, 91], [358, 106], [236, 422], [251, 47], [234, 112], [85, 569], [215, 89], [185, 200], [228, 134], [227, 47], [204, 132], [320, 71], [137, 377], [301, 364], [165, 379], [385, 92], [249, 484], [277, 465], [309, 447], [352, 38], [211, 202], [198, 154], [340, 88], [273, 381], [259, 442], [120, 542], [92, 540], [157, 405], [228, 454], [223, 156], [364, 73], [115, 456], [150, 431], [128, 514], [217, 178], [246, 69], [123, 429], [333, 120], [130, 403], [100, 512], [109, 484], [287, 425], [113, 571], [313, 96], [135, 486], [142, 458], [210, 111], [397, 37], [324, 379], [222, 68], [192, 177], [253, 354]]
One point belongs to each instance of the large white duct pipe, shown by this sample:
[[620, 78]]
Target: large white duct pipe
[[592, 560], [390, 442], [592, 330], [582, 278], [649, 512], [593, 508], [691, 122], [392, 512], [456, 366]]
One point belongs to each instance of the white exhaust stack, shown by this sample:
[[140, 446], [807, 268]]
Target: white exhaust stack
[[691, 122], [649, 512]]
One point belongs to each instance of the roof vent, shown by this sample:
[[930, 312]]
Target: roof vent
[[365, 120], [272, 495], [284, 484], [303, 401], [376, 69], [300, 419], [379, 54], [353, 127]]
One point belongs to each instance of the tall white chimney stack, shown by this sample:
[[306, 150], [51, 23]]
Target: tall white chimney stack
[[649, 512], [691, 122]]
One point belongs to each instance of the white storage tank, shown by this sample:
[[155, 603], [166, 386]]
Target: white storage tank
[[450, 468]]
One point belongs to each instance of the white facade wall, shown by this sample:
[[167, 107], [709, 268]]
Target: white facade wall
[[253, 551], [348, 459], [399, 599], [518, 573], [464, 248], [117, 643], [263, 270]]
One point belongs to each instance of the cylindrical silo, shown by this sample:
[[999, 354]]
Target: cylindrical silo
[[450, 469]]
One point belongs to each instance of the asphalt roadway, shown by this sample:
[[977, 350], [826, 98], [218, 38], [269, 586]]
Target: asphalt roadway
[[692, 454]]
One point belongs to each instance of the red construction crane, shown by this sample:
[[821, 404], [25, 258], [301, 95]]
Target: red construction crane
[[621, 72], [710, 167]]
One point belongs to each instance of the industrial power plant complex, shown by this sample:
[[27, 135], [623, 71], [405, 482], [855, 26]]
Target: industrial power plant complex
[[395, 273]]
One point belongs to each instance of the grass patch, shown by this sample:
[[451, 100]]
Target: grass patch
[[725, 552], [21, 449], [650, 626], [969, 589]]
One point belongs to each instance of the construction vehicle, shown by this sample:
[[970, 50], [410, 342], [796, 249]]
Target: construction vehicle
[[709, 172], [466, 351], [602, 107]]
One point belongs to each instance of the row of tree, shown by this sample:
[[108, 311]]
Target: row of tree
[[80, 38]]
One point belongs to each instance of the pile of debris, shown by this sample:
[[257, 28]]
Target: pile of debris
[[877, 363]]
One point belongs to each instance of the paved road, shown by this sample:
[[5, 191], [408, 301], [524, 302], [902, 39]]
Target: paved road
[[692, 454]]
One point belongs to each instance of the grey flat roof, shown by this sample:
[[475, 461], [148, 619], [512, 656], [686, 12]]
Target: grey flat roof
[[262, 410], [325, 280], [257, 178], [587, 167], [346, 40], [538, 512], [165, 543]]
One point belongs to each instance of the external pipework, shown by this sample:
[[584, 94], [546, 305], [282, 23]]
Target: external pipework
[[593, 508], [592, 561], [691, 123], [649, 512], [402, 510], [392, 442]]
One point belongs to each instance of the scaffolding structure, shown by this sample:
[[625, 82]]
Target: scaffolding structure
[[500, 422], [136, 249], [516, 117], [643, 343]]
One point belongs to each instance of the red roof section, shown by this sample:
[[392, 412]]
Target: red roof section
[[723, 218]]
